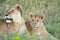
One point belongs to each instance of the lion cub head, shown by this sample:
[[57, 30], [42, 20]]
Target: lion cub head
[[14, 13], [35, 20]]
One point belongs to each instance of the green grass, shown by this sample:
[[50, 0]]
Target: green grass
[[24, 37], [52, 14]]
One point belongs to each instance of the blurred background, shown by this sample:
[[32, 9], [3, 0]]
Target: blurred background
[[50, 8]]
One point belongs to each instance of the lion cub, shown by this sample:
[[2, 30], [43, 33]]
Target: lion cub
[[36, 27]]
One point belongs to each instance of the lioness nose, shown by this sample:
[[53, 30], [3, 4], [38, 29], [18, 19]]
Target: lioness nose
[[6, 15]]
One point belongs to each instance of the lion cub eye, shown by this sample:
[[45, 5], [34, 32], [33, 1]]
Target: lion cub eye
[[32, 20], [37, 20]]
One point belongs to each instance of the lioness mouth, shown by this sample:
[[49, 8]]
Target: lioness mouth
[[9, 20]]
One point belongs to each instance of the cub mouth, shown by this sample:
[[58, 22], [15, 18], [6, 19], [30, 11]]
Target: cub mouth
[[35, 27]]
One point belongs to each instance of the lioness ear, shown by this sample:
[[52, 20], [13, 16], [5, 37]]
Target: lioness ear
[[41, 16], [7, 7], [31, 15], [18, 7]]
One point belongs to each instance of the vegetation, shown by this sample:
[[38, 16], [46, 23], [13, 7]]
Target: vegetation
[[52, 15]]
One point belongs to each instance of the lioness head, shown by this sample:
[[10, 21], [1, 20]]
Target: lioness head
[[14, 13], [35, 20]]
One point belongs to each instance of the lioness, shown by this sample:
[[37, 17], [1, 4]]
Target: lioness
[[36, 27], [13, 21]]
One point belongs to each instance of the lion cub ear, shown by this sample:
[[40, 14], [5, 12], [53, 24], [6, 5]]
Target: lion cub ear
[[31, 15], [18, 7], [41, 16]]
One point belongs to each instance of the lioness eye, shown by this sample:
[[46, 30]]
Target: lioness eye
[[12, 10]]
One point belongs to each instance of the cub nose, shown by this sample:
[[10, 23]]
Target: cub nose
[[34, 24]]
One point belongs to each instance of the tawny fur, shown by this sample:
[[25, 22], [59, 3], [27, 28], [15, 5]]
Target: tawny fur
[[5, 27]]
